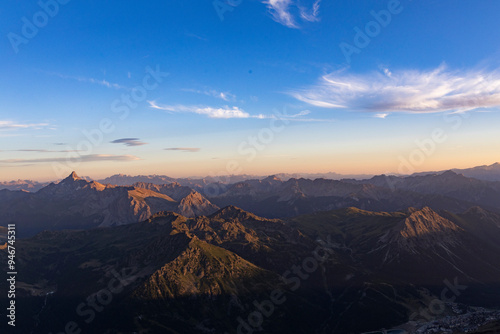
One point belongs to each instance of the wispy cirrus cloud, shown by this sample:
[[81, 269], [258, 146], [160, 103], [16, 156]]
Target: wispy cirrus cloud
[[281, 11], [44, 151], [82, 158], [183, 149], [312, 14], [188, 34], [234, 112], [410, 91], [100, 82], [226, 96], [128, 141], [10, 125], [211, 112]]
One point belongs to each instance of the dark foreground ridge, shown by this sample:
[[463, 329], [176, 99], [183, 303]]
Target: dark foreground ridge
[[342, 271]]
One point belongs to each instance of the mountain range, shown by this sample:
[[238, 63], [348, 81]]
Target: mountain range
[[76, 203], [487, 173], [259, 255], [484, 172], [341, 271], [273, 197]]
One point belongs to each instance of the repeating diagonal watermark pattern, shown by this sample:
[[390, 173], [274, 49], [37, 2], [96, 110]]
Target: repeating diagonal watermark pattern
[[363, 37], [95, 303], [223, 6], [248, 148], [32, 26], [293, 279], [121, 107]]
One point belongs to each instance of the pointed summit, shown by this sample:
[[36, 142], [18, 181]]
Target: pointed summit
[[272, 178], [426, 222], [72, 177]]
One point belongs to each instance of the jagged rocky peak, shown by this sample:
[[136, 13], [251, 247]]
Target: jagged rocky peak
[[193, 195], [73, 181], [424, 222], [72, 177], [166, 217], [422, 230], [233, 212]]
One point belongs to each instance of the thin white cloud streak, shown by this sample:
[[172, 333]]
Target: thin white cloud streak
[[410, 91], [184, 149], [82, 158], [281, 12], [226, 96], [188, 34], [211, 112], [311, 15], [233, 112], [9, 125], [101, 82], [44, 151], [302, 113]]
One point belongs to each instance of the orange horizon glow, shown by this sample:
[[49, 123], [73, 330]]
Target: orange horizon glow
[[178, 170]]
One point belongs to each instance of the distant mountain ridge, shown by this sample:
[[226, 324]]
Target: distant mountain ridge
[[484, 172], [120, 179], [487, 173], [78, 203], [273, 197], [75, 203], [448, 183], [27, 185]]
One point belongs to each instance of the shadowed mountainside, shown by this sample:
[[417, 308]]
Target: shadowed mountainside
[[272, 197], [208, 273], [75, 203]]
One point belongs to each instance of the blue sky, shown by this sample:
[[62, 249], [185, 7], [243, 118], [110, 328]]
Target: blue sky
[[274, 86]]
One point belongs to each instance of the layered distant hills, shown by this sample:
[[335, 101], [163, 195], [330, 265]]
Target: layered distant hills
[[273, 197], [75, 203], [487, 173], [341, 271], [269, 255]]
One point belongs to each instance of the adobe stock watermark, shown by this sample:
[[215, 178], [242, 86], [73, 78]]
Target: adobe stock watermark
[[223, 6], [248, 148], [372, 29], [437, 306], [426, 147], [97, 302], [121, 107], [293, 278], [30, 28]]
